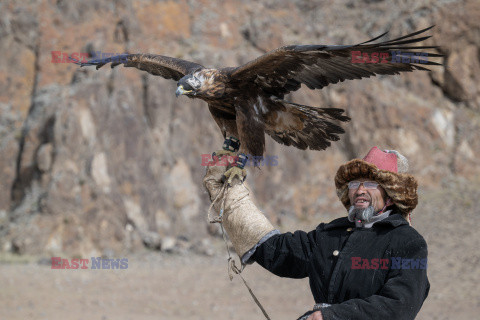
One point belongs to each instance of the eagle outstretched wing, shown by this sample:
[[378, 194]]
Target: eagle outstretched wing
[[284, 69], [158, 65]]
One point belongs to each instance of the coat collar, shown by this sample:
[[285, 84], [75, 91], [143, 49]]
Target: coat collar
[[394, 220]]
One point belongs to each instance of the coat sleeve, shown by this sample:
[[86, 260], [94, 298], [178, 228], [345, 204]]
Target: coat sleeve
[[402, 295], [287, 254]]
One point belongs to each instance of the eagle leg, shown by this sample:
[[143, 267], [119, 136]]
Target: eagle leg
[[230, 146]]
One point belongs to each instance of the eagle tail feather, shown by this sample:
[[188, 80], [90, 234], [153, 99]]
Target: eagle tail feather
[[306, 126]]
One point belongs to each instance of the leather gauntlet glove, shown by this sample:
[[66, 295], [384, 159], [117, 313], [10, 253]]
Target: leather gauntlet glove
[[244, 223]]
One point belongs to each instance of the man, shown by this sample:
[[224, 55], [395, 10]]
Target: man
[[370, 264]]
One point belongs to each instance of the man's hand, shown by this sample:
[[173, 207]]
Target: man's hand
[[317, 315]]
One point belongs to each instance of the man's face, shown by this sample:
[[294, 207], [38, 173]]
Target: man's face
[[362, 197]]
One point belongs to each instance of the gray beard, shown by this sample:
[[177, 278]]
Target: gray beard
[[365, 215]]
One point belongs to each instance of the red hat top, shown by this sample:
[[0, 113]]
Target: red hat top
[[384, 160]]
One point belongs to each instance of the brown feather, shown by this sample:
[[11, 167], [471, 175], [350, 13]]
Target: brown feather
[[166, 67], [284, 69], [304, 126], [251, 128], [225, 119]]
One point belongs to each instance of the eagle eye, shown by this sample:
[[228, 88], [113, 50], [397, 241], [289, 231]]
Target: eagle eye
[[186, 86]]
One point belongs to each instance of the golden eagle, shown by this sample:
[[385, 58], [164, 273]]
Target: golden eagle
[[248, 101]]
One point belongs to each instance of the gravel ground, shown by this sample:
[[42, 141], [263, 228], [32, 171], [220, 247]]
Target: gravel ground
[[166, 286], [153, 287]]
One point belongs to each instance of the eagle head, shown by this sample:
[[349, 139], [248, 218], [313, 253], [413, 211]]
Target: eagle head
[[188, 85], [204, 84]]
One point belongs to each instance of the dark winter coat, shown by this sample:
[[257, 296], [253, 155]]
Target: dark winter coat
[[345, 268]]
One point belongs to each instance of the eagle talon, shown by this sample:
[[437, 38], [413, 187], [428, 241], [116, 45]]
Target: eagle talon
[[233, 172]]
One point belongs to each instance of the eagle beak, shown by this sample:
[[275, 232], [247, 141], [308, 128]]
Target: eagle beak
[[181, 91]]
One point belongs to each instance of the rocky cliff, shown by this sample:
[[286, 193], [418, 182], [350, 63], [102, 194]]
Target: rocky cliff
[[104, 161]]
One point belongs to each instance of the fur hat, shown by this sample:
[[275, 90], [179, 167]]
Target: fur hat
[[388, 169]]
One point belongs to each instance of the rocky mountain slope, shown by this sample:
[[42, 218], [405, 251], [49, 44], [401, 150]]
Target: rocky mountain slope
[[109, 160]]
